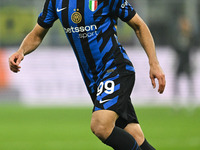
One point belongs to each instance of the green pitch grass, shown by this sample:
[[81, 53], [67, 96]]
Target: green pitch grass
[[65, 128]]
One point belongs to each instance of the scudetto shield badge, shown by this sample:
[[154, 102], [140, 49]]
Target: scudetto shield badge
[[93, 4]]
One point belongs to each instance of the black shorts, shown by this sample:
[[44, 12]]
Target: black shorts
[[113, 93]]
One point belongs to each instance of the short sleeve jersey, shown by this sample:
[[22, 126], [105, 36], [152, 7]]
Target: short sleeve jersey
[[90, 28]]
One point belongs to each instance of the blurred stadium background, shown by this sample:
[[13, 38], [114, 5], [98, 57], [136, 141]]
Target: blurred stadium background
[[50, 77]]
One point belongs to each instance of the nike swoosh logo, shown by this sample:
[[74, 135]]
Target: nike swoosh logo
[[59, 10], [104, 101]]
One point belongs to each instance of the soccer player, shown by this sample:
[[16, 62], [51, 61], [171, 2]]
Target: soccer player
[[182, 44], [106, 69]]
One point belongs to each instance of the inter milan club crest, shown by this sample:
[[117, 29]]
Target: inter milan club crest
[[76, 17], [93, 4]]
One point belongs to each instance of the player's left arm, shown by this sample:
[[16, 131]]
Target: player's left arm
[[144, 35]]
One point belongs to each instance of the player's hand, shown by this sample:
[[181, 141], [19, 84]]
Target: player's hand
[[14, 61], [156, 72]]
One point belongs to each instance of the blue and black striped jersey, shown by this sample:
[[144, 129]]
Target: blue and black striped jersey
[[90, 28]]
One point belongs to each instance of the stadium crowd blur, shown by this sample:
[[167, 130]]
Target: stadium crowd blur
[[173, 23]]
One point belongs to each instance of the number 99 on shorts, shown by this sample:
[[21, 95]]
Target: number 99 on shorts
[[106, 87]]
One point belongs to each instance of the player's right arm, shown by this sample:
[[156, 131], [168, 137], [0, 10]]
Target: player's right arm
[[29, 44]]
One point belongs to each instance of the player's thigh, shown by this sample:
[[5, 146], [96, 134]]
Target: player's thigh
[[104, 118]]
